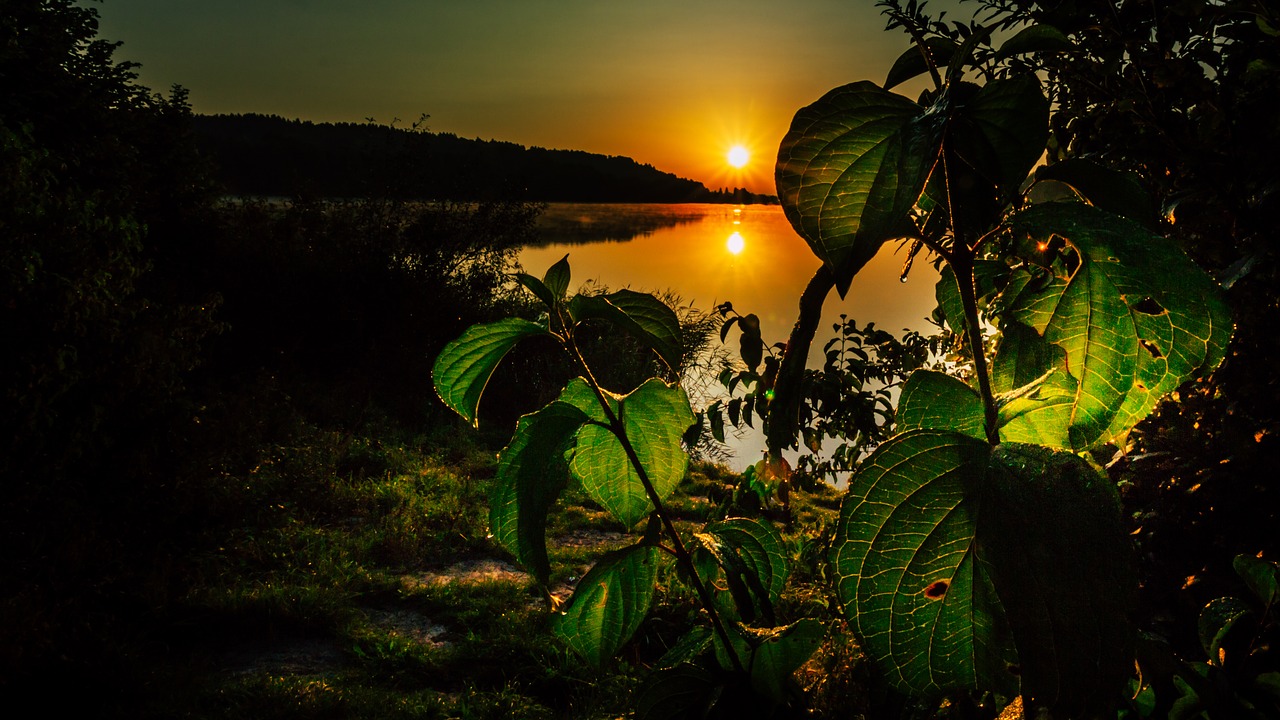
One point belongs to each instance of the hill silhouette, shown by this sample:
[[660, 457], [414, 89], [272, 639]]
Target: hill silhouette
[[272, 156]]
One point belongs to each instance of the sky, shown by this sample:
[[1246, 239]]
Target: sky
[[671, 83]]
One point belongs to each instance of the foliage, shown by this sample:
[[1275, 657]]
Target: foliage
[[955, 576], [626, 451], [1177, 97]]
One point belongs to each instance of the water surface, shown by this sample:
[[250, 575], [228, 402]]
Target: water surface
[[689, 249]]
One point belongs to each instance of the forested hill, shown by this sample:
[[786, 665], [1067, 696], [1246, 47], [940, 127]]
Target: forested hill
[[269, 155]]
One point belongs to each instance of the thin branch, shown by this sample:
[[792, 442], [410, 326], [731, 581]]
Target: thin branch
[[678, 549]]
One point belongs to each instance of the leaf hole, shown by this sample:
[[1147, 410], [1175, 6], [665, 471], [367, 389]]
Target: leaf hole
[[1015, 670], [1151, 348], [937, 590], [1148, 306]]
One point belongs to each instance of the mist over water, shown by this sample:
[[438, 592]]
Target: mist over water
[[689, 249]]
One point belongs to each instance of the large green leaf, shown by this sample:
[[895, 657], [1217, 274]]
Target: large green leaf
[[1002, 131], [850, 169], [655, 417], [932, 400], [532, 471], [609, 603], [968, 566], [647, 318], [465, 365], [1133, 314]]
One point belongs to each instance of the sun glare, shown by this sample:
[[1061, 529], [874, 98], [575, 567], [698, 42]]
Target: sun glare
[[738, 156], [735, 243]]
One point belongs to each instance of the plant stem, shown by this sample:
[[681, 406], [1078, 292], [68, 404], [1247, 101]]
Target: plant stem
[[962, 266], [683, 558]]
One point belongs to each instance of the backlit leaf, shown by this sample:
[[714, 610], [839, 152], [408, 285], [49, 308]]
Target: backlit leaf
[[957, 561], [609, 603], [465, 365], [642, 315], [912, 64], [655, 416], [557, 277], [849, 170], [532, 472], [1134, 316], [932, 400]]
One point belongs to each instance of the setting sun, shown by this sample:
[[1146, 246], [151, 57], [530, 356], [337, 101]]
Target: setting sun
[[735, 244], [738, 156]]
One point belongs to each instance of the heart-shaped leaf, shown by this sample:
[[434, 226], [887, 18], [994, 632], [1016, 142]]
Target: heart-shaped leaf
[[609, 603], [532, 472], [464, 367], [850, 169], [957, 561], [655, 417]]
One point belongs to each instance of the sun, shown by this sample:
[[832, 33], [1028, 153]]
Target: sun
[[735, 244], [738, 156]]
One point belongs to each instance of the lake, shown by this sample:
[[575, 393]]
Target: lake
[[708, 254]]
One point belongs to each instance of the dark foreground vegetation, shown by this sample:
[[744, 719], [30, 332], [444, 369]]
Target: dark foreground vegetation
[[231, 491]]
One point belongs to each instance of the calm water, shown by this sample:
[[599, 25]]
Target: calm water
[[709, 254]]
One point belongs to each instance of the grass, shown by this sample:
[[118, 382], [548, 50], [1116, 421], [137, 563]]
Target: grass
[[331, 584]]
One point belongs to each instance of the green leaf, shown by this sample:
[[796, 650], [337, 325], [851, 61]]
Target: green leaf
[[538, 288], [936, 401], [911, 63], [1216, 621], [970, 567], [1036, 38], [750, 346], [640, 314], [655, 417], [987, 275], [557, 277], [1002, 131], [1035, 393], [1262, 577], [715, 417], [609, 603], [750, 555], [1039, 412], [532, 472], [779, 652], [1135, 317], [1106, 189], [850, 169], [465, 365]]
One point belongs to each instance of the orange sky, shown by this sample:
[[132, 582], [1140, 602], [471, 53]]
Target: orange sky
[[671, 83]]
